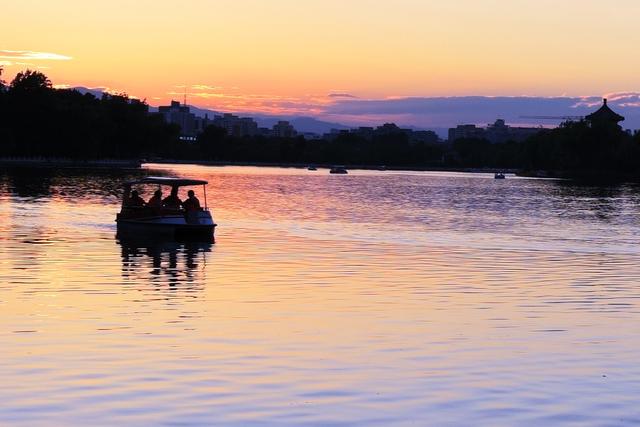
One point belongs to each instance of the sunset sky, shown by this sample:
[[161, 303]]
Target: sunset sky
[[298, 57]]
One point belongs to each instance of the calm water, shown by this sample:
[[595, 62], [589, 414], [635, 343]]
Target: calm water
[[377, 298]]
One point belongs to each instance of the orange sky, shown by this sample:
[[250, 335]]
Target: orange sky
[[271, 56]]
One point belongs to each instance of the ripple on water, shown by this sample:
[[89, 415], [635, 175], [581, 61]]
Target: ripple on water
[[379, 299]]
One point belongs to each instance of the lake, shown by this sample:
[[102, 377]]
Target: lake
[[375, 298]]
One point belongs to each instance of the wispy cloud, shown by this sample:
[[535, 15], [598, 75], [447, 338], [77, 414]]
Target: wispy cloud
[[29, 55], [338, 95], [206, 87], [231, 101]]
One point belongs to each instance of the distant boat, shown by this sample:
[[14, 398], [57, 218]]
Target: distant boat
[[340, 170], [499, 175], [312, 168]]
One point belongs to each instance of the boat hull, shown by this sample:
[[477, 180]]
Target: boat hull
[[199, 226]]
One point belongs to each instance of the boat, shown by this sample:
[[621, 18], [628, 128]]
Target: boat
[[173, 222], [499, 175], [341, 170], [312, 168]]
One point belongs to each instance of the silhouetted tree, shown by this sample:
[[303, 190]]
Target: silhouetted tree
[[38, 120], [581, 150], [30, 81], [2, 82]]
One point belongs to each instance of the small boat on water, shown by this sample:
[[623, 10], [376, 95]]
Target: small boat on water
[[312, 168], [340, 170], [179, 221], [499, 175]]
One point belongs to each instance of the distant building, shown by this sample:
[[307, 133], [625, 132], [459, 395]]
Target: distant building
[[310, 135], [465, 132], [283, 129], [236, 126], [364, 132], [180, 115], [605, 116], [498, 132], [386, 130], [264, 132], [425, 136]]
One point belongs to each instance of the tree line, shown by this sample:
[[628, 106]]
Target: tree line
[[39, 120]]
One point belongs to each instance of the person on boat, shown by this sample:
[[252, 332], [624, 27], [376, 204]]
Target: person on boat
[[192, 204], [156, 200], [135, 201], [172, 201], [191, 208]]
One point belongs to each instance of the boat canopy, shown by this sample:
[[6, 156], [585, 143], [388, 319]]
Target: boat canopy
[[172, 182]]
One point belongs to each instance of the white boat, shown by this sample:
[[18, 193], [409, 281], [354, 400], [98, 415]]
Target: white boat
[[499, 175], [174, 222]]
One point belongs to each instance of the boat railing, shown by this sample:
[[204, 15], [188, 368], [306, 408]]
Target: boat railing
[[147, 211]]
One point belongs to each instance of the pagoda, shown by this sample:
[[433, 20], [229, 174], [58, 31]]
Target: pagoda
[[604, 116]]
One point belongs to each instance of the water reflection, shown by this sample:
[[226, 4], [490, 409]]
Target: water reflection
[[166, 262], [76, 184], [23, 183]]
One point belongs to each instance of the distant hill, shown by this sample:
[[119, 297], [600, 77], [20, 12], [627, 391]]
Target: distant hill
[[301, 123], [97, 92]]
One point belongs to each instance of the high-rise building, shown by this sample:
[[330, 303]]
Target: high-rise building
[[283, 129], [236, 126], [180, 115], [465, 132], [496, 132]]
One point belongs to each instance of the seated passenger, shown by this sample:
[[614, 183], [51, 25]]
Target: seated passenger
[[135, 201], [192, 204], [156, 200], [172, 201]]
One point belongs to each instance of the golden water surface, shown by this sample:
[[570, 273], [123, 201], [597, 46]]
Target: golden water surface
[[375, 298]]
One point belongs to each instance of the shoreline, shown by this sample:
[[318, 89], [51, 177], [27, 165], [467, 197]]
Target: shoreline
[[64, 163], [330, 165], [605, 177]]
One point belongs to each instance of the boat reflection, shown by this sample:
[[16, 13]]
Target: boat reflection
[[163, 262]]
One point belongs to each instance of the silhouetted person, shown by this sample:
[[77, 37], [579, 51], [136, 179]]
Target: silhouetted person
[[172, 201], [156, 200], [191, 208], [192, 204], [135, 201]]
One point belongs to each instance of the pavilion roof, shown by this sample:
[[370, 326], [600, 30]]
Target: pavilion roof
[[605, 114]]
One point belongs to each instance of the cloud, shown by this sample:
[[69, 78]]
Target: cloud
[[232, 101], [341, 95], [29, 55], [619, 96], [205, 87]]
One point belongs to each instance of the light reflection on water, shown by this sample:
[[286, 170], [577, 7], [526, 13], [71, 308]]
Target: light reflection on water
[[374, 298]]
